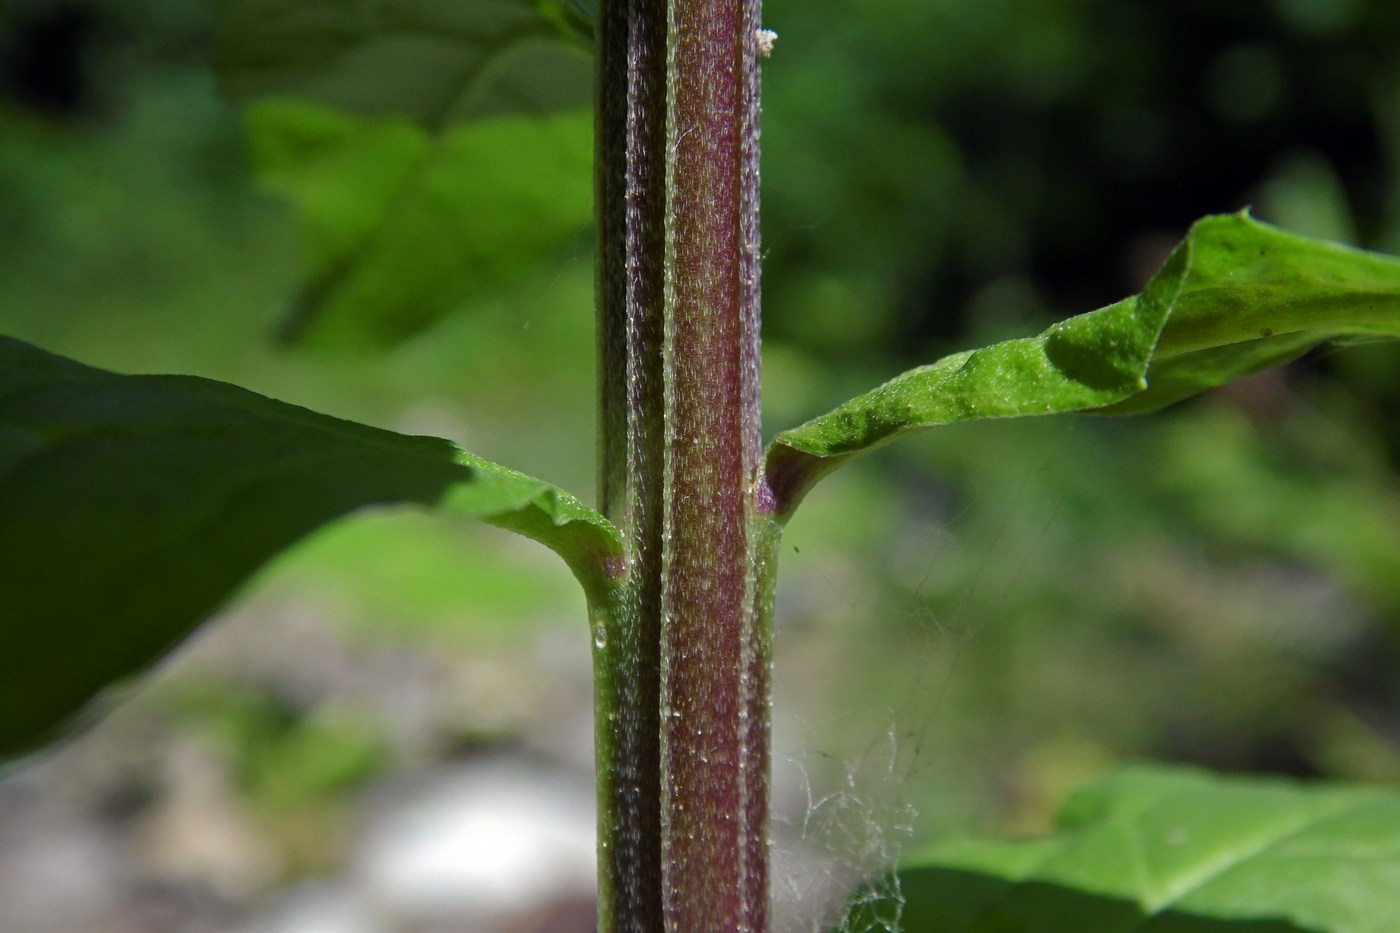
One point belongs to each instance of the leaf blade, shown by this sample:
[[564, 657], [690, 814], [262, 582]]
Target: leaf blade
[[131, 506], [1235, 297], [1157, 849]]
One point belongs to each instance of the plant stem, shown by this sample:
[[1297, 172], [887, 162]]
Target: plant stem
[[630, 173], [682, 652]]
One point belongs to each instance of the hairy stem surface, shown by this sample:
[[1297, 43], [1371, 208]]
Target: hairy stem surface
[[682, 645]]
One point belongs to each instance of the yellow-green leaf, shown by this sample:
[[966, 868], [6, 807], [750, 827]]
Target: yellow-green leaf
[[1235, 297]]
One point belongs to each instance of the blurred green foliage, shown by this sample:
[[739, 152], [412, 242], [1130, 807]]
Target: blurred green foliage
[[402, 226], [1016, 605], [450, 62], [416, 193], [285, 758]]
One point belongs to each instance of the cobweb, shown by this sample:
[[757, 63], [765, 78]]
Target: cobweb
[[843, 816], [852, 830]]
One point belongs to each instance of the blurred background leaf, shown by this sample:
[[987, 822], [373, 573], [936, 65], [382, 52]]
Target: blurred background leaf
[[438, 62], [434, 150], [402, 228]]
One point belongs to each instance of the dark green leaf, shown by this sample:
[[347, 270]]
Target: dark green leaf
[[437, 62], [401, 226], [1153, 850], [1235, 297], [132, 506]]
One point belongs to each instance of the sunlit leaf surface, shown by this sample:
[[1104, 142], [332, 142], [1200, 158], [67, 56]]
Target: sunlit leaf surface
[[1236, 296], [1153, 850]]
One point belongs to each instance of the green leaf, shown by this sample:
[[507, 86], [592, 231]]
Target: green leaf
[[1155, 850], [402, 225], [432, 149], [436, 62], [1235, 297], [132, 506]]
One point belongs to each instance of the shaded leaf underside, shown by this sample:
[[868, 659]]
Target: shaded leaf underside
[[437, 62], [1152, 850], [132, 506], [1236, 297]]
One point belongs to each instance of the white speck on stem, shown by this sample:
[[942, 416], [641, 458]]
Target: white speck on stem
[[766, 38]]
